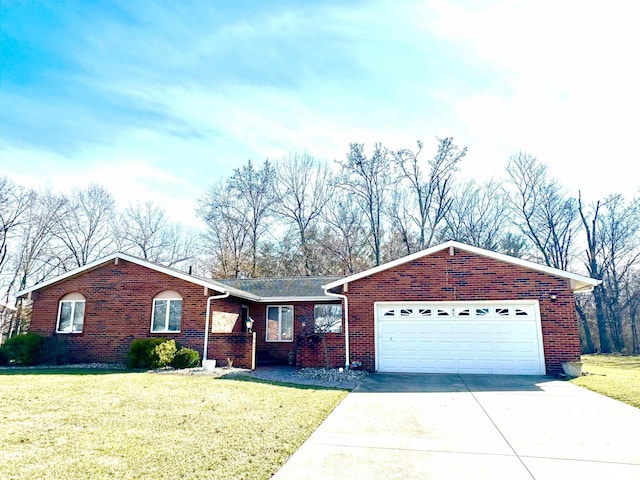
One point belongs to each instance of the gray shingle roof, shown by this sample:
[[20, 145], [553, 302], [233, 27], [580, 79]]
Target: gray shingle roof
[[281, 287]]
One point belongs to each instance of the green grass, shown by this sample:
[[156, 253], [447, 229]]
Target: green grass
[[612, 375], [72, 424]]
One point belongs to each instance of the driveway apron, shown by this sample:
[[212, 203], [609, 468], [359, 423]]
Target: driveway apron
[[402, 426]]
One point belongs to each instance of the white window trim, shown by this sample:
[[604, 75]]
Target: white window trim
[[293, 323], [166, 320], [73, 303], [328, 304]]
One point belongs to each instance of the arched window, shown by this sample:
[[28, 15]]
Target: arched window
[[167, 312], [71, 313]]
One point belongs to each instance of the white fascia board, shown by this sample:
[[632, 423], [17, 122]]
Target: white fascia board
[[578, 282], [323, 298]]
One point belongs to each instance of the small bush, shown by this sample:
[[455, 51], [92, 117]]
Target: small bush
[[141, 351], [163, 354], [4, 359], [55, 351], [186, 358], [24, 349]]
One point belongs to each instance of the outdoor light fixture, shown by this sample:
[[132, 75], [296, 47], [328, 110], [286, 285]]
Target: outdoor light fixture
[[553, 297], [248, 323]]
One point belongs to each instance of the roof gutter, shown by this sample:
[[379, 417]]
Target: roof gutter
[[347, 355], [206, 323]]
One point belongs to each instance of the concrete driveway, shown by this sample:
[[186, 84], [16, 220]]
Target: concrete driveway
[[471, 426]]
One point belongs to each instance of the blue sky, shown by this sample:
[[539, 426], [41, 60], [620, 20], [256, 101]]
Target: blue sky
[[157, 100]]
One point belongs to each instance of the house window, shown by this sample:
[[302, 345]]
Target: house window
[[71, 313], [167, 312], [327, 318], [280, 323]]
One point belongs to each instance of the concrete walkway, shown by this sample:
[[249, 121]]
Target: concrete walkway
[[471, 426]]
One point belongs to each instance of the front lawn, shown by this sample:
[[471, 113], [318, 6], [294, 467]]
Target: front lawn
[[612, 375], [72, 424]]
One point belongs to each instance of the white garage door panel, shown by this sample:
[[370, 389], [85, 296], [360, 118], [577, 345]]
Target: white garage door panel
[[481, 337]]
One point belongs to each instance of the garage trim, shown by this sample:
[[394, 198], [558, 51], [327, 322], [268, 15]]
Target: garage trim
[[446, 314]]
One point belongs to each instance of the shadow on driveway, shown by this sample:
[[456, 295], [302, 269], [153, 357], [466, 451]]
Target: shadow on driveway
[[445, 383]]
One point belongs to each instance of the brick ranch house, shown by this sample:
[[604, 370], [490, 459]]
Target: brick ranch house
[[451, 308]]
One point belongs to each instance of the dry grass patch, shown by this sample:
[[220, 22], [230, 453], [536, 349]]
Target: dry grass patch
[[72, 424], [615, 376]]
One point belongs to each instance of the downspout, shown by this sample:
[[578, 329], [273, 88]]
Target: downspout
[[347, 361], [206, 323]]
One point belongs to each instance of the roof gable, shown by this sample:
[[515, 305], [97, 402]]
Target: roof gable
[[579, 283], [205, 282]]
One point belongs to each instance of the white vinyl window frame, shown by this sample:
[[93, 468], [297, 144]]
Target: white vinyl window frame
[[327, 318], [166, 314], [279, 323], [71, 314]]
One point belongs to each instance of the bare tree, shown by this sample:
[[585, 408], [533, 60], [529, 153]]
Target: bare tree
[[253, 193], [368, 180], [543, 212], [632, 295], [84, 226], [477, 215], [430, 187], [14, 201], [302, 191], [403, 240], [346, 239], [147, 232], [514, 244], [617, 232], [613, 252], [227, 236]]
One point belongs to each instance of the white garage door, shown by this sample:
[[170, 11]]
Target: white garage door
[[460, 337]]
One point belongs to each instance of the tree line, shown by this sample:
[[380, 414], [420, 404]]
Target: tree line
[[298, 215]]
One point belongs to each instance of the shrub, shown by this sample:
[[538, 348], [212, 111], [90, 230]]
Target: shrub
[[24, 349], [186, 358], [4, 359], [55, 351], [163, 354], [141, 351]]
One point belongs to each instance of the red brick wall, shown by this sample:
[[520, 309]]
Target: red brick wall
[[465, 277], [302, 325], [119, 301], [239, 347]]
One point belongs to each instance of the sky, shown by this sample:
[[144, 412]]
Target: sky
[[158, 100]]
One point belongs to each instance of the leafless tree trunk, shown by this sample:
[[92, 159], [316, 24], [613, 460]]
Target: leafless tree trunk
[[368, 180], [632, 289], [84, 226], [227, 234], [145, 231], [302, 186], [588, 346], [545, 215], [431, 190], [253, 193], [14, 201], [595, 271], [477, 215], [346, 243]]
